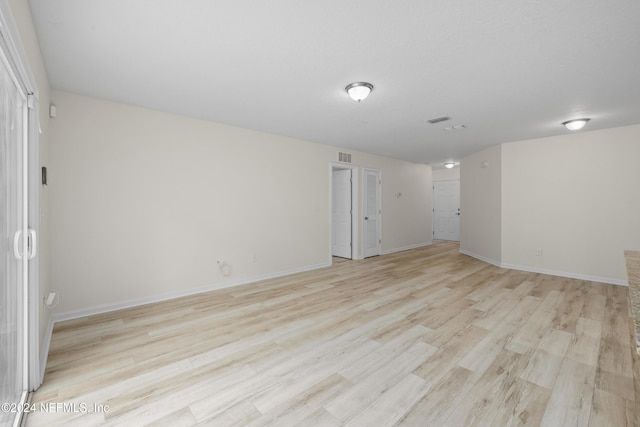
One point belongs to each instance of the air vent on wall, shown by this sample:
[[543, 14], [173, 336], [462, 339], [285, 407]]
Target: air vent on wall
[[439, 119], [344, 157]]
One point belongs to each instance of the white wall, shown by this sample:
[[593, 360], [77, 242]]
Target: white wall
[[481, 205], [576, 197], [445, 174], [407, 206], [144, 204]]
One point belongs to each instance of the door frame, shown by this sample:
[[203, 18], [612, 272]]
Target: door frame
[[19, 63], [355, 247]]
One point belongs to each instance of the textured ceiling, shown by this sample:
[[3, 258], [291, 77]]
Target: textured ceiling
[[507, 70]]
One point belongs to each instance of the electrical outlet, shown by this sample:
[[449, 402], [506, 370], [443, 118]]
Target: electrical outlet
[[539, 252]]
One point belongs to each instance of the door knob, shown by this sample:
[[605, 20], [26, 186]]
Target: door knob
[[366, 217]]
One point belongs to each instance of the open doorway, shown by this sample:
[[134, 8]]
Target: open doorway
[[344, 211]]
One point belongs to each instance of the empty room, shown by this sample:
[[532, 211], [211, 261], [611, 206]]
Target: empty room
[[356, 213]]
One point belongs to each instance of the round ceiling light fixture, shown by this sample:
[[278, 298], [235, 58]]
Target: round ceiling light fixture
[[575, 124], [449, 165], [359, 91]]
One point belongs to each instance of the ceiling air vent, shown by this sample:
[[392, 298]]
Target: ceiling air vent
[[439, 119], [344, 157]]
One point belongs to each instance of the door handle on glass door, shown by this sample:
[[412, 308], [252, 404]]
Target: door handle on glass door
[[16, 244], [32, 244]]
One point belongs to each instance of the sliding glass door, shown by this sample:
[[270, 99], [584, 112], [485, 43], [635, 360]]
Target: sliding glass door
[[13, 244]]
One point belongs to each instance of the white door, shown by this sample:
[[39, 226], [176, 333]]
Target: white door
[[13, 243], [446, 210], [372, 213], [341, 213]]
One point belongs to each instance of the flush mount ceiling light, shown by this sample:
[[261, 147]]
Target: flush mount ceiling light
[[575, 124], [359, 91], [449, 165]]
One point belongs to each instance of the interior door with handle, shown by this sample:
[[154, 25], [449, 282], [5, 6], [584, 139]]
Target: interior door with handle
[[372, 213], [341, 220], [446, 210]]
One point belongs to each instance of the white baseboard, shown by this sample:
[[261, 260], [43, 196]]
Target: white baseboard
[[480, 257], [44, 348], [172, 295], [608, 280], [406, 248]]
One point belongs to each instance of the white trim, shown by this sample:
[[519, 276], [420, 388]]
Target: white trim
[[99, 309], [30, 317], [34, 185], [480, 257], [19, 65], [407, 248], [44, 349], [586, 277], [570, 275]]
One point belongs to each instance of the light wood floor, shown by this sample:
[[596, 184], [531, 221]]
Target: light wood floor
[[427, 337]]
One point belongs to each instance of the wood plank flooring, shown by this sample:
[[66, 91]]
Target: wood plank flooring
[[427, 337]]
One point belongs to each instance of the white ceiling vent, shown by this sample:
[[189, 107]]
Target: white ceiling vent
[[344, 157], [439, 119]]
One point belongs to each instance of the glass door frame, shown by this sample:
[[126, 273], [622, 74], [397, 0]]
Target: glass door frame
[[18, 65], [14, 327]]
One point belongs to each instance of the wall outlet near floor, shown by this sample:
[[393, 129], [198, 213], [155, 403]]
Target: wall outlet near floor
[[539, 252]]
